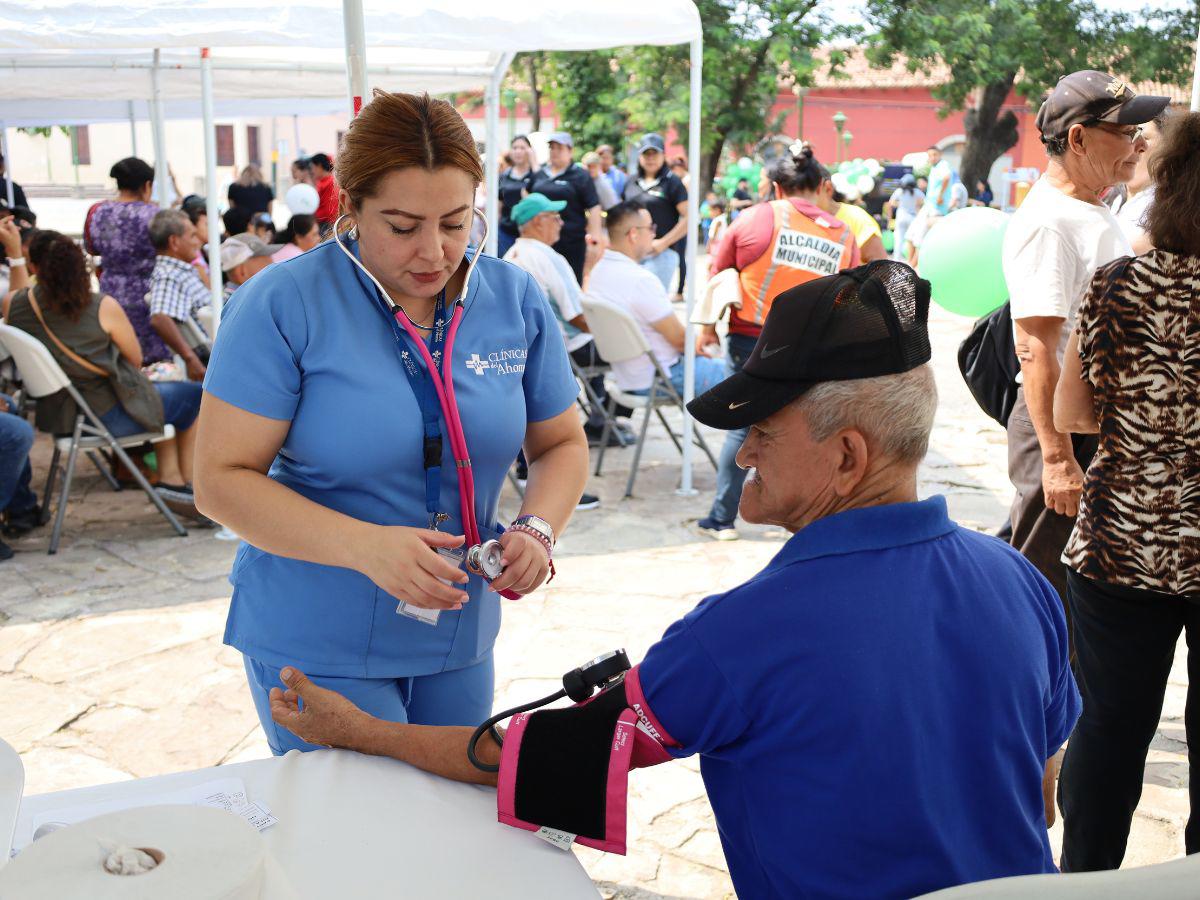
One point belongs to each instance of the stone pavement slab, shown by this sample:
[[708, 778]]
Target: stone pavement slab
[[112, 667]]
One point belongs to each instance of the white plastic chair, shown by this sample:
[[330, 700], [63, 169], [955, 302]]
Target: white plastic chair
[[1164, 881], [12, 783], [42, 376], [619, 338]]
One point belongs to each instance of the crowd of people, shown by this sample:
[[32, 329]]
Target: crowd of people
[[974, 660], [135, 293]]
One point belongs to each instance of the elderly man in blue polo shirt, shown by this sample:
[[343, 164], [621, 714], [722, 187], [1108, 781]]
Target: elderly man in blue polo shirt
[[877, 711]]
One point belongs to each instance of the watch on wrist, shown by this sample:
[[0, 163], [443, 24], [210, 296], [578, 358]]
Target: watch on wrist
[[16, 261], [538, 524]]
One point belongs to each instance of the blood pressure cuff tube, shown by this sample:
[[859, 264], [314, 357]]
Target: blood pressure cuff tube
[[568, 769]]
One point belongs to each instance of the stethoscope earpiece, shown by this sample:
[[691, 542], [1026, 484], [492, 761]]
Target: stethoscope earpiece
[[352, 234]]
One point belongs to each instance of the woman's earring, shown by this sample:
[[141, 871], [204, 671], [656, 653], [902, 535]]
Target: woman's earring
[[353, 232]]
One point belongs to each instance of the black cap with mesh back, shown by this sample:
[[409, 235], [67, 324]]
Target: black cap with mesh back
[[859, 323]]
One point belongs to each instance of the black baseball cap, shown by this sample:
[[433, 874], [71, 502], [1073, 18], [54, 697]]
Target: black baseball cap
[[859, 323], [1091, 96]]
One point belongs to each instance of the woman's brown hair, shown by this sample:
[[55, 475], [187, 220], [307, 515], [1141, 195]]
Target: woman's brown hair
[[1173, 220], [63, 281], [395, 131]]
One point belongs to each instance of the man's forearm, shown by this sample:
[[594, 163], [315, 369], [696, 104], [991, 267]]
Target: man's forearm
[[441, 750], [169, 331], [1040, 377]]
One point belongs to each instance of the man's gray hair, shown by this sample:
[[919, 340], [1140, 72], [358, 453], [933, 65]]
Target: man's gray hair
[[167, 222], [894, 411]]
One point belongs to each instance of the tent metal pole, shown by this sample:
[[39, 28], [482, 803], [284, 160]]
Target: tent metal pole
[[491, 158], [1196, 77], [693, 206], [296, 134], [160, 137], [210, 189], [132, 129], [356, 51], [8, 182]]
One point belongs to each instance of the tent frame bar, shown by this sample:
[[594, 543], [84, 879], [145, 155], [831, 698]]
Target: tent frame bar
[[229, 65]]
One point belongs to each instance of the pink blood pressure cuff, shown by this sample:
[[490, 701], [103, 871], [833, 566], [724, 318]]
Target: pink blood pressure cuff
[[567, 769]]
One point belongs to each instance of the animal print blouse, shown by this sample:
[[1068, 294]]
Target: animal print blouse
[[1139, 340]]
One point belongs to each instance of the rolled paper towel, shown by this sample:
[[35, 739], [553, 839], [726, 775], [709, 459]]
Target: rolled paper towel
[[197, 853]]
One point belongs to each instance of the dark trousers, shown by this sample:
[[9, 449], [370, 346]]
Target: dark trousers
[[1040, 534], [1124, 645], [586, 356], [574, 251]]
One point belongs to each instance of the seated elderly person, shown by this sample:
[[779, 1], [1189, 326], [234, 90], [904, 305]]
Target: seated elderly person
[[877, 711], [539, 223], [242, 257], [176, 290]]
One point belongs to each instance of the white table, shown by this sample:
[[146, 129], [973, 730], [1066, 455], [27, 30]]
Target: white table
[[365, 827]]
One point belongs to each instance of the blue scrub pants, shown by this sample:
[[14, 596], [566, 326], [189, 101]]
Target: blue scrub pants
[[731, 477], [457, 697]]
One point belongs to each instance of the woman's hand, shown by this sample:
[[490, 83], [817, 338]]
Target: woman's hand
[[657, 246], [10, 238], [327, 718], [405, 563], [526, 563]]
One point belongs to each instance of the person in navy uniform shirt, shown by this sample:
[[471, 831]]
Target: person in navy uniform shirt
[[312, 442], [564, 179], [876, 712]]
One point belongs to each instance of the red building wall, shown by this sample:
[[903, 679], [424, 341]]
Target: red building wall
[[886, 123]]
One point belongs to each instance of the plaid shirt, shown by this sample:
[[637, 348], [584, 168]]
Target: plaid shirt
[[176, 290]]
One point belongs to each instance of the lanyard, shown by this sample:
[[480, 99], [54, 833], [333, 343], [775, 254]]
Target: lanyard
[[426, 394]]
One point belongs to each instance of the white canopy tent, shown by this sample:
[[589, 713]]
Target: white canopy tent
[[63, 56]]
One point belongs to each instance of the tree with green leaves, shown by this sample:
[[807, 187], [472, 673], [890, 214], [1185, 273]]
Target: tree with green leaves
[[612, 96], [988, 47], [748, 45]]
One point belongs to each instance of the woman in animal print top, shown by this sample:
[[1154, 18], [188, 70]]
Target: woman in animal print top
[[1132, 373]]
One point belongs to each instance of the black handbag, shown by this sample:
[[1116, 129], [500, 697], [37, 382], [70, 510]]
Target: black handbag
[[989, 365]]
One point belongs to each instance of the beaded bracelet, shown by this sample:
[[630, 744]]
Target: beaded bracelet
[[541, 539]]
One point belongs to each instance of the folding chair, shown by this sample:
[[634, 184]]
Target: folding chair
[[584, 375], [619, 338], [42, 376]]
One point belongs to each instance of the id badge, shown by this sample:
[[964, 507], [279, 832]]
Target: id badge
[[420, 613]]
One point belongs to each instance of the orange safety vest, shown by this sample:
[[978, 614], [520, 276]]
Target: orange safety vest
[[801, 250]]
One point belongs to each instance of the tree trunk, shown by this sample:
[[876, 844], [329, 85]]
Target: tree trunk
[[709, 161], [535, 107], [990, 132]]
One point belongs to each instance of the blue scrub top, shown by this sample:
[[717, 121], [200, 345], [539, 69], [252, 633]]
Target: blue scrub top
[[874, 710], [311, 341]]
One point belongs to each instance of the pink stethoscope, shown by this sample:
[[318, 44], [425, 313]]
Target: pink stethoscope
[[477, 552]]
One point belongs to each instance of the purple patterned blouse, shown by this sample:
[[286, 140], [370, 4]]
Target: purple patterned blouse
[[119, 235]]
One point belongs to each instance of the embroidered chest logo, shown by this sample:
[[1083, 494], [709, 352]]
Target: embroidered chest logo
[[502, 362]]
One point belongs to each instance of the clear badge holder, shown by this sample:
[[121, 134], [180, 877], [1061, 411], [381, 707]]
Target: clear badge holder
[[420, 613]]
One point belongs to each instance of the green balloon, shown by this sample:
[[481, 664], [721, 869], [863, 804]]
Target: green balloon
[[961, 258], [889, 240]]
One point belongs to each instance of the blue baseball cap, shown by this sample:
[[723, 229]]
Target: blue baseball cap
[[535, 205], [560, 137]]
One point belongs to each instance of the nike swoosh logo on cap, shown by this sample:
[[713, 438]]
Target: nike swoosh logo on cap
[[768, 353], [736, 405]]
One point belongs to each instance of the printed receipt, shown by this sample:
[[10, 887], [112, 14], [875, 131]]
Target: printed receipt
[[237, 803]]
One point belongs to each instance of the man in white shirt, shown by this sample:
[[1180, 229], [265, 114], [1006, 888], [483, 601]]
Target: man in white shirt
[[1054, 243], [539, 223], [619, 279]]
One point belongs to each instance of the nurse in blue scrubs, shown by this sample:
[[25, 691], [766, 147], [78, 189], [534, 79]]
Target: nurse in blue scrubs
[[312, 444]]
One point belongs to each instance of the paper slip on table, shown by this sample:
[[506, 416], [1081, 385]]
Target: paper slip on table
[[357, 826]]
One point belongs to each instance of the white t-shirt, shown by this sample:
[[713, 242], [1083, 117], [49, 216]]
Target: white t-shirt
[[618, 280], [1131, 215], [1053, 246], [554, 276]]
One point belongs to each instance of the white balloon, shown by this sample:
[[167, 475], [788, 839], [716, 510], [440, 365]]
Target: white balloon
[[746, 162], [302, 199], [851, 194], [865, 184], [874, 166], [840, 182]]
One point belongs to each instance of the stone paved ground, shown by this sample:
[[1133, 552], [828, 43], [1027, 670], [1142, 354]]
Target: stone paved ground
[[112, 667]]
